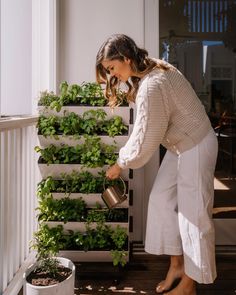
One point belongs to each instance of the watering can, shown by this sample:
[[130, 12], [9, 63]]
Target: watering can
[[112, 195]]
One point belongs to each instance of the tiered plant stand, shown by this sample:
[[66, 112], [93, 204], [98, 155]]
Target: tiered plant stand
[[55, 170]]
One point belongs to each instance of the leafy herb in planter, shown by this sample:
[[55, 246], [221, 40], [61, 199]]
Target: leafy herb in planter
[[68, 95], [47, 243], [70, 124], [114, 126], [76, 182], [119, 237], [65, 209], [56, 155], [46, 187], [103, 237], [92, 122], [48, 126], [96, 215], [89, 93], [46, 98], [90, 154], [92, 94], [119, 257], [49, 154]]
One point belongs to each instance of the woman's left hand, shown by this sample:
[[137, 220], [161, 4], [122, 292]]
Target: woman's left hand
[[113, 172]]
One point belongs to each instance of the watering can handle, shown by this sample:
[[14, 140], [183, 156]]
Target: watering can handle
[[122, 182]]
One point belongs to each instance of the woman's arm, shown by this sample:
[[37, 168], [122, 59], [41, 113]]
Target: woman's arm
[[150, 125]]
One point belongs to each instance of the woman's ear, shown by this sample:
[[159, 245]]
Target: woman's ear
[[127, 60]]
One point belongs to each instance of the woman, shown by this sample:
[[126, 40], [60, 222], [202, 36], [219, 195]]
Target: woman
[[179, 220]]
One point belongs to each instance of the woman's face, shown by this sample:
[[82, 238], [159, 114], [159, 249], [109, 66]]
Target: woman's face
[[120, 69]]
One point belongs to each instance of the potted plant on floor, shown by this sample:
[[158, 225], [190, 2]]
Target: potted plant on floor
[[49, 274]]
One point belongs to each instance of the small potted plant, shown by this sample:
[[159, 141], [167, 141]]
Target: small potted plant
[[49, 274]]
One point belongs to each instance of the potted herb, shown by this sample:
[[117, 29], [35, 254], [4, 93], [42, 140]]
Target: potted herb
[[50, 274]]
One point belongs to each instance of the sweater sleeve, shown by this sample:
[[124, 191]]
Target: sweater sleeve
[[150, 125]]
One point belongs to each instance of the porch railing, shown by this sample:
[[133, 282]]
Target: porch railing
[[18, 179]]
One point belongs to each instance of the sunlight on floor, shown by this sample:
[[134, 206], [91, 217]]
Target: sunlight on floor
[[114, 289], [219, 185], [125, 290]]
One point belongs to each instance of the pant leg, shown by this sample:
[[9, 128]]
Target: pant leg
[[162, 231], [195, 186]]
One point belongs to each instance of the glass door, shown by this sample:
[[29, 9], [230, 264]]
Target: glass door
[[199, 38]]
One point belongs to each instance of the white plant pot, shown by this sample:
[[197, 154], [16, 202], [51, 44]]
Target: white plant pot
[[62, 288]]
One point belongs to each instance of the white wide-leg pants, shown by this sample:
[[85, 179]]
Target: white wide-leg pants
[[180, 209]]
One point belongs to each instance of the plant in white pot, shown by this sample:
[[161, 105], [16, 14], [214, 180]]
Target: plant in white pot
[[49, 274]]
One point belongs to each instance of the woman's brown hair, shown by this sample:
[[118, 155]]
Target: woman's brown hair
[[119, 47]]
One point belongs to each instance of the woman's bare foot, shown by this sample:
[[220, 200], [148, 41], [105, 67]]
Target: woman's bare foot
[[186, 286], [176, 271]]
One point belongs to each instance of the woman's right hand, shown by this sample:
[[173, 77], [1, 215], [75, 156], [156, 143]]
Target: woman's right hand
[[113, 172]]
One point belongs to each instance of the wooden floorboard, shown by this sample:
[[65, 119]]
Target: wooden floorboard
[[141, 275]]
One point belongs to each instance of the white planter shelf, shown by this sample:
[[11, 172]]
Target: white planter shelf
[[90, 199], [93, 256], [81, 226], [55, 170], [123, 112], [119, 140]]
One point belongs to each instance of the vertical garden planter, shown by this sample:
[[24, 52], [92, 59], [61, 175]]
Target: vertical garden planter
[[57, 170]]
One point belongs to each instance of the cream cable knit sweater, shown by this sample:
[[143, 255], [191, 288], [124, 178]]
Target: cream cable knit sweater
[[168, 113]]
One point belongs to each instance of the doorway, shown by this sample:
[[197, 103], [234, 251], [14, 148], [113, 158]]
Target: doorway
[[199, 38]]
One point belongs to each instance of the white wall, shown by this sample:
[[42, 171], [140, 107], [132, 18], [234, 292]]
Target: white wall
[[84, 26], [16, 56], [44, 51]]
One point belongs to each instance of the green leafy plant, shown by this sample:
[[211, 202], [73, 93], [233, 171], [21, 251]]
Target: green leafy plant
[[68, 94], [92, 94], [119, 257], [96, 154], [92, 120], [49, 154], [119, 237], [70, 124], [90, 154], [64, 209], [97, 215], [88, 93], [75, 182], [83, 182], [114, 126], [47, 243], [48, 126], [46, 98]]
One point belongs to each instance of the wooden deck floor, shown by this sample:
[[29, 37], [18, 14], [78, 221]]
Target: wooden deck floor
[[143, 272]]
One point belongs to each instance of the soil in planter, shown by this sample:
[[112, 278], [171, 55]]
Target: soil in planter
[[40, 278]]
